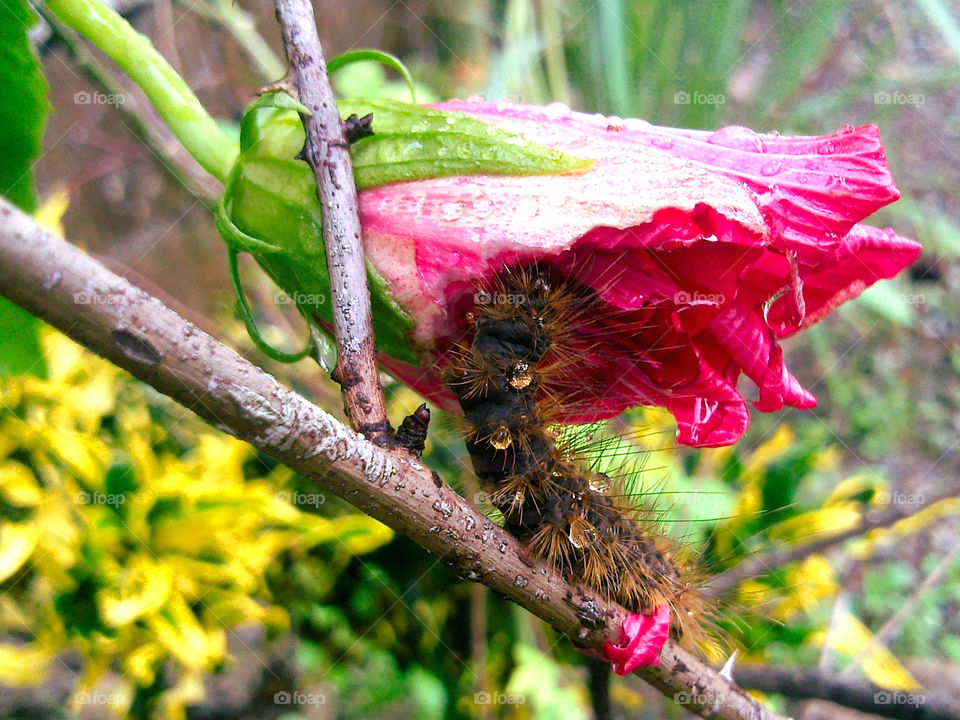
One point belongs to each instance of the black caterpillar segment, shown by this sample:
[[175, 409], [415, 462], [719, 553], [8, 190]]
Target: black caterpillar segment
[[572, 517]]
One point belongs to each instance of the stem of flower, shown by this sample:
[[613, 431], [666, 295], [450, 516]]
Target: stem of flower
[[328, 153], [181, 110]]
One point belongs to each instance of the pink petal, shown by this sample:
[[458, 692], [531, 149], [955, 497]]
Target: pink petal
[[705, 248], [811, 190], [643, 639], [865, 255]]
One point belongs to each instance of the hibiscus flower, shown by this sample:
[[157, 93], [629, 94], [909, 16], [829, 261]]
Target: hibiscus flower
[[705, 250]]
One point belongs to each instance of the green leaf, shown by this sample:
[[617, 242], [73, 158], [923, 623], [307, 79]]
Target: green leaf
[[20, 351], [23, 113], [23, 104]]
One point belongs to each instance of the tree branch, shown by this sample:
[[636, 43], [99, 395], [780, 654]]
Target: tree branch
[[71, 291], [328, 153], [761, 564], [815, 684]]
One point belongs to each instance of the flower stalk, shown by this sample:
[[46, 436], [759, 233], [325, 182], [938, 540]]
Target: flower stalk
[[200, 134]]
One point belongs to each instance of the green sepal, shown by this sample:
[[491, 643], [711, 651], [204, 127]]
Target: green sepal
[[391, 61], [415, 143], [254, 332]]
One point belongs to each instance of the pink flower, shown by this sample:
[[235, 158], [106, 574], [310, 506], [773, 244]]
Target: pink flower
[[706, 248]]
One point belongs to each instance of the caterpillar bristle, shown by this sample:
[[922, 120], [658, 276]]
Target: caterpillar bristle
[[533, 334]]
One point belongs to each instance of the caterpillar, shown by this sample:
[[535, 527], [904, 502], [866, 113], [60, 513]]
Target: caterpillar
[[526, 342]]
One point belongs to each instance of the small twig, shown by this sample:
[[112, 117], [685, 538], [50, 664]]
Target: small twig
[[143, 120], [761, 564], [67, 288], [817, 685], [328, 153], [478, 646]]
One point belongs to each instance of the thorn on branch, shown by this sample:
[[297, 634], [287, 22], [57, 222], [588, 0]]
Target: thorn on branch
[[358, 128]]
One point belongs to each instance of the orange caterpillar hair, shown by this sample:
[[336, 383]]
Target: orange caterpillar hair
[[507, 379]]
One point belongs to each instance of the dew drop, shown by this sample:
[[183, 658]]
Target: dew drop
[[771, 168], [501, 438], [827, 147], [599, 483], [739, 138], [662, 143], [452, 210], [521, 376], [556, 111]]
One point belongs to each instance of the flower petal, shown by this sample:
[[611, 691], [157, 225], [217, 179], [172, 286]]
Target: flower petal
[[703, 248], [811, 190], [865, 255]]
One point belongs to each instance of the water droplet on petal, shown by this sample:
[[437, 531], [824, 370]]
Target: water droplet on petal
[[451, 210], [771, 168], [556, 111], [662, 143], [738, 138], [827, 147]]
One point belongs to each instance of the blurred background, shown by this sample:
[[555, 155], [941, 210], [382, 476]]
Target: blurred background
[[152, 567]]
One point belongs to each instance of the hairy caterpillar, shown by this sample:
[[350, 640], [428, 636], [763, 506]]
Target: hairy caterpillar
[[529, 341]]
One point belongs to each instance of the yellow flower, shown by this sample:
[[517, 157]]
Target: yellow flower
[[24, 665], [849, 636], [17, 543]]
